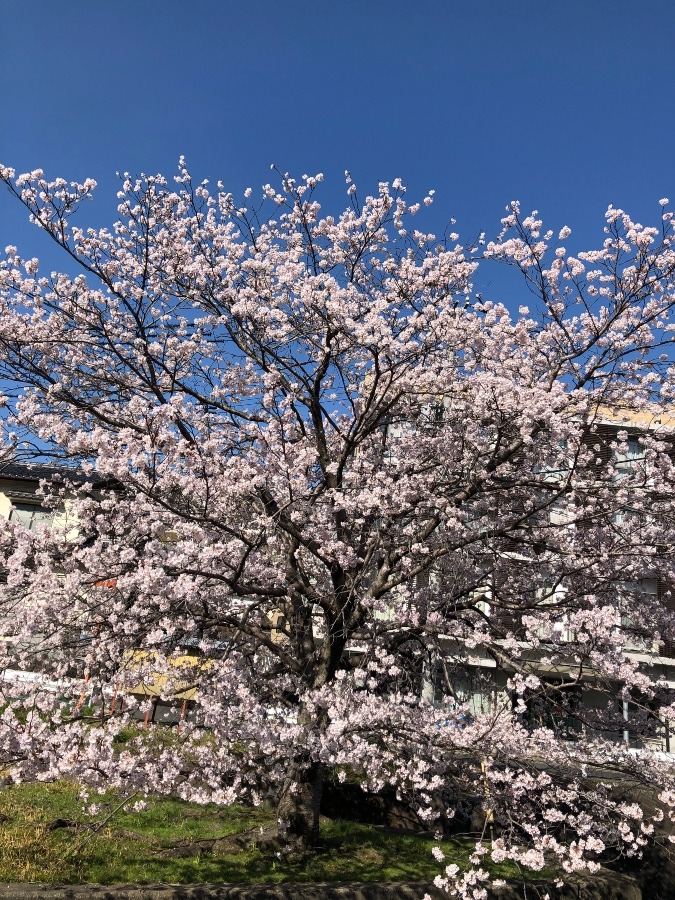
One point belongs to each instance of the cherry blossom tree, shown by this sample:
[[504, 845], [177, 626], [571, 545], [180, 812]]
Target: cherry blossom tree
[[369, 524]]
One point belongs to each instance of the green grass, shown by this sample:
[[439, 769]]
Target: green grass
[[171, 842]]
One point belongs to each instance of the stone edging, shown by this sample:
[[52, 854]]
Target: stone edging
[[603, 886], [363, 891], [608, 886]]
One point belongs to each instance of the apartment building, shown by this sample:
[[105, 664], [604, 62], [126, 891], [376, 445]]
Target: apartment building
[[483, 683], [21, 501], [579, 705]]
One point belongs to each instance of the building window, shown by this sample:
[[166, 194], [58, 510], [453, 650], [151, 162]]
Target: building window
[[626, 459], [30, 515], [556, 708]]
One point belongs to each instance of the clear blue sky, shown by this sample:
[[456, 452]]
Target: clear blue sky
[[567, 106]]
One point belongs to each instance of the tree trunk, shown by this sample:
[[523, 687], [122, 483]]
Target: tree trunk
[[299, 806]]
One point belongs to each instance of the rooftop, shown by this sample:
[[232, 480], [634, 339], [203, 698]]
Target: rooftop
[[43, 472]]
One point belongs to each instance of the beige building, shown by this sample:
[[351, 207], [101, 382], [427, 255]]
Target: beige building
[[21, 501], [481, 685]]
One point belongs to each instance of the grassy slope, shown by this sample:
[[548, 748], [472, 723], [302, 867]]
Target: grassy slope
[[172, 841]]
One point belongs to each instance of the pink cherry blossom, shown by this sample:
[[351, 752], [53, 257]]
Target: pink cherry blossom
[[341, 514]]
